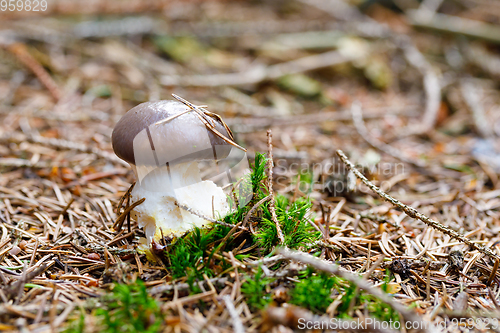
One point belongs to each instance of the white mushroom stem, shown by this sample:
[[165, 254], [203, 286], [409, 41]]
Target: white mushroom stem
[[164, 187]]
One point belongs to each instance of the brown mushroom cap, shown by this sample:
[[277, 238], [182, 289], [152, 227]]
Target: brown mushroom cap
[[185, 138]]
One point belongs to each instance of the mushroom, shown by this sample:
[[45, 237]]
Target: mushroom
[[164, 141]]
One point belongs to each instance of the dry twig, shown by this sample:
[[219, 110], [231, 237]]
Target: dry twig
[[412, 212], [12, 290], [413, 55], [325, 266], [272, 206]]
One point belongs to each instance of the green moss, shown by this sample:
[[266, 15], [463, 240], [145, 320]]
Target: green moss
[[129, 308], [306, 180], [187, 255], [181, 49], [296, 228], [314, 292], [291, 216], [192, 255]]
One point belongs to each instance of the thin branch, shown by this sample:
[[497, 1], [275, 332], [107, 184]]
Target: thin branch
[[172, 117], [126, 195], [363, 24], [329, 267], [412, 212], [481, 57], [119, 221], [249, 125], [211, 127], [11, 290], [429, 7], [493, 273]]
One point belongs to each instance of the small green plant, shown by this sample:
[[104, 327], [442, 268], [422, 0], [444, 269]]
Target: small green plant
[[350, 294], [129, 308], [254, 288], [379, 309], [192, 255]]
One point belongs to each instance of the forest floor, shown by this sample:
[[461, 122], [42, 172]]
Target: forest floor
[[396, 231]]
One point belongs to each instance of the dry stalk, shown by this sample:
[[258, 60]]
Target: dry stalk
[[493, 273], [119, 221], [412, 212], [431, 82], [272, 206], [456, 25], [249, 125], [472, 97], [331, 268], [14, 288]]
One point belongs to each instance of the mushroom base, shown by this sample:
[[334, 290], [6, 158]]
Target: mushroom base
[[160, 214]]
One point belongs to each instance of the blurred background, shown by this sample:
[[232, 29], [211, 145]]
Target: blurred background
[[400, 81], [407, 88]]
